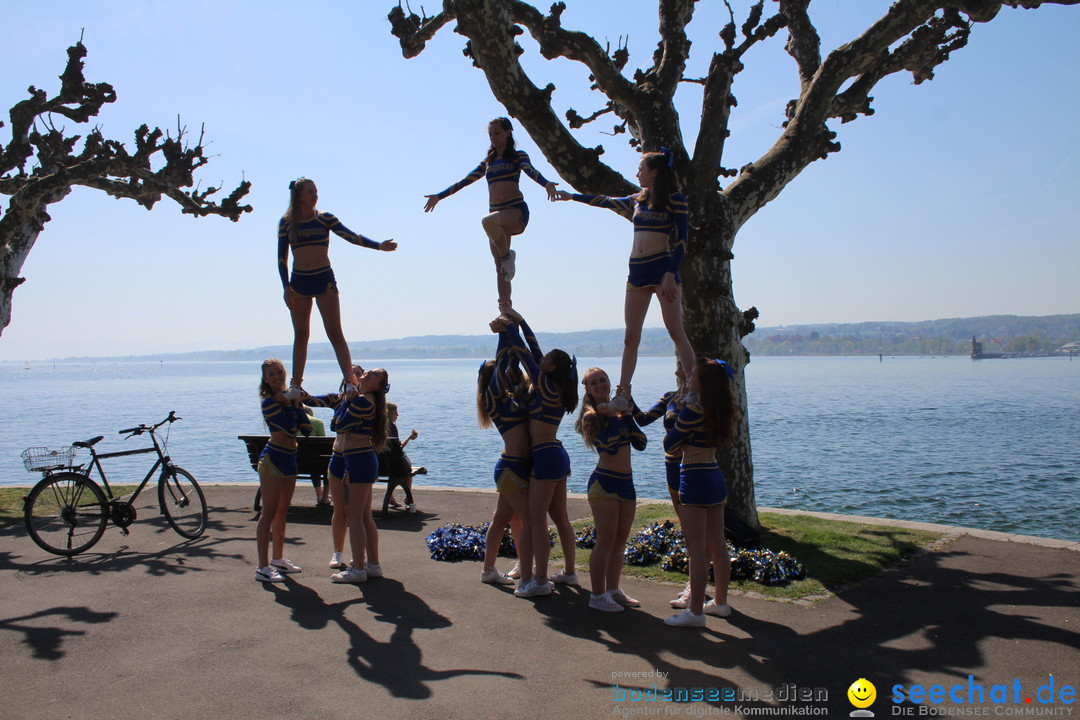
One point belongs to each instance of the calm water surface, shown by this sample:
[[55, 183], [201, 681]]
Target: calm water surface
[[991, 444]]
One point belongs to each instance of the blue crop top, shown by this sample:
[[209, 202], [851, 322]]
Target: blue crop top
[[314, 233], [673, 221], [689, 431], [285, 418], [618, 432], [546, 404], [497, 170], [355, 416]]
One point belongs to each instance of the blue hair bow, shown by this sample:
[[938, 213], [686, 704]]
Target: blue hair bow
[[669, 156], [727, 368], [573, 370]]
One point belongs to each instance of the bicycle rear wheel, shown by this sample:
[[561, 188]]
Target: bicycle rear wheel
[[66, 513], [182, 502]]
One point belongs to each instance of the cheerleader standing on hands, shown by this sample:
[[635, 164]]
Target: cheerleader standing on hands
[[507, 212], [306, 232]]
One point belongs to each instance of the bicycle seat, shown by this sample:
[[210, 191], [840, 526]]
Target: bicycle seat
[[89, 443]]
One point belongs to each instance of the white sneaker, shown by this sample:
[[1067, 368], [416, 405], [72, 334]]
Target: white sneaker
[[565, 578], [620, 404], [268, 574], [604, 603], [509, 266], [622, 598], [515, 572], [373, 570], [685, 619], [285, 565], [494, 577], [295, 392], [349, 575], [712, 608], [411, 507], [532, 588], [336, 561]]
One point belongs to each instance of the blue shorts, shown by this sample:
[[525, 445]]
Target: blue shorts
[[515, 204], [282, 459], [611, 485], [647, 271], [672, 464], [512, 473], [550, 462], [312, 283], [361, 465], [702, 485]]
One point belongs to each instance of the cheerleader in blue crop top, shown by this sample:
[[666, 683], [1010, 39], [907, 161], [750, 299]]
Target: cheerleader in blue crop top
[[500, 402], [706, 422], [507, 212], [306, 232], [360, 423], [277, 472], [660, 216], [554, 393], [611, 488]]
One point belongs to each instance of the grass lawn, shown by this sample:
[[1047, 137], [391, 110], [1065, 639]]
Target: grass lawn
[[834, 554], [11, 502]]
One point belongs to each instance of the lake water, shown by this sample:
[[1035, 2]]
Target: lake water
[[993, 444]]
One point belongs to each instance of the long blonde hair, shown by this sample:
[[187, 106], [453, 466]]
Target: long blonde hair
[[589, 421], [294, 195]]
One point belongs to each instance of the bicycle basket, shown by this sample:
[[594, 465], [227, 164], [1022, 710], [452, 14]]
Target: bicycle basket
[[37, 459]]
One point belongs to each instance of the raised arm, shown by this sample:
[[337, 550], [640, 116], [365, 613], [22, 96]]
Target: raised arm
[[657, 411]]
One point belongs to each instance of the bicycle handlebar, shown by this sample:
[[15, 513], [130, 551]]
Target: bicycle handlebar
[[143, 428]]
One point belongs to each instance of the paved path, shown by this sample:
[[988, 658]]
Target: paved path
[[146, 626]]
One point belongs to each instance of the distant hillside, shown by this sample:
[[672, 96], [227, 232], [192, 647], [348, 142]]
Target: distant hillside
[[999, 333]]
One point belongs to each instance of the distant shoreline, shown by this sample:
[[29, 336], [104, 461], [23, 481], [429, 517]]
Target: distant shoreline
[[1027, 336]]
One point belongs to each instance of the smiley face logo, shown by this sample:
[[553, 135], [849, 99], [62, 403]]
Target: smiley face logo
[[862, 693]]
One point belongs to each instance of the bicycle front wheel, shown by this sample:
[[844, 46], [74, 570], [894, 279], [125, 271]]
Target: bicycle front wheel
[[66, 513], [182, 502]]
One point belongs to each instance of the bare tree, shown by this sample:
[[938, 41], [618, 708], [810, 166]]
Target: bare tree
[[912, 36], [58, 163]]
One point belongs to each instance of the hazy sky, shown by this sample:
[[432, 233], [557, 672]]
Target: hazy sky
[[957, 198]]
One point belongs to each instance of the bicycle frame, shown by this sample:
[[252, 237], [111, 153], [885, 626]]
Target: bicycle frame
[[163, 462]]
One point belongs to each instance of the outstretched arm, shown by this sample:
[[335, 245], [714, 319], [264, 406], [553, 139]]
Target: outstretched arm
[[335, 225], [476, 174]]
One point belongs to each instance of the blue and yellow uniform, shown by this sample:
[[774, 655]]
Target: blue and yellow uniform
[[666, 408], [648, 271], [615, 433], [360, 464], [506, 413], [501, 170], [313, 233], [550, 461], [700, 484], [286, 419]]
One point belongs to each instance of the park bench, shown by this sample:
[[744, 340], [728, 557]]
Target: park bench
[[312, 459]]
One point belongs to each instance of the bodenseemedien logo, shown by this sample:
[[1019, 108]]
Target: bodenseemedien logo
[[862, 694]]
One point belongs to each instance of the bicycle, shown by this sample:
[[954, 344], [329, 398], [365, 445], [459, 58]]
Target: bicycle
[[66, 511]]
